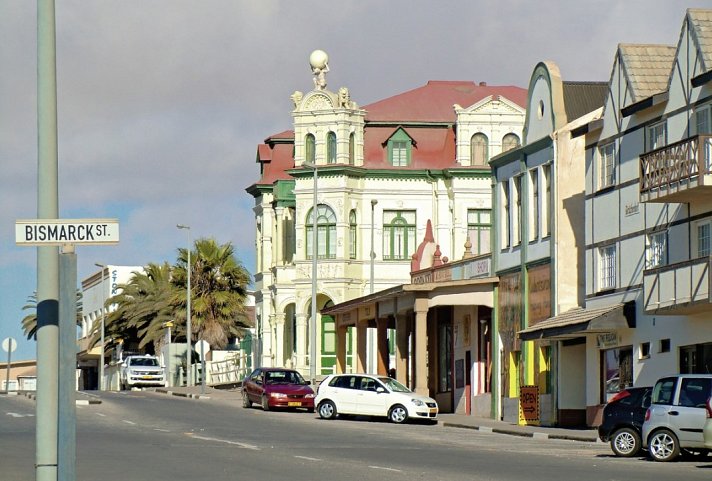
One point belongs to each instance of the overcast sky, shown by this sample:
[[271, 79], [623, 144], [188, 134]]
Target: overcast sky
[[162, 103]]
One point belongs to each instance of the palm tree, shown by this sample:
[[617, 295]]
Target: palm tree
[[29, 322], [218, 291], [144, 305]]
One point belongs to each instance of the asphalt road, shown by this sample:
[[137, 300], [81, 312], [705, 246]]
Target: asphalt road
[[149, 436]]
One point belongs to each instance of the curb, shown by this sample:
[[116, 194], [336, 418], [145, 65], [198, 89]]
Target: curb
[[183, 394], [78, 402], [512, 432]]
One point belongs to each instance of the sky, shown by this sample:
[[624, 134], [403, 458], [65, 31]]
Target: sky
[[162, 103]]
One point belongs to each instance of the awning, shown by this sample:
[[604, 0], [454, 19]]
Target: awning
[[580, 321]]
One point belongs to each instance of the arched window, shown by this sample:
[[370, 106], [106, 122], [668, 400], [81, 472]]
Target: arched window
[[398, 234], [479, 149], [509, 142], [325, 232], [352, 234], [331, 148], [352, 149], [310, 154]]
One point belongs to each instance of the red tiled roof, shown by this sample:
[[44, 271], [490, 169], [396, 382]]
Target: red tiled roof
[[433, 102], [276, 157], [433, 148]]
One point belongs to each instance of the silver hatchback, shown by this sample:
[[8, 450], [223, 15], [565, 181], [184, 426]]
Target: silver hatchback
[[676, 416]]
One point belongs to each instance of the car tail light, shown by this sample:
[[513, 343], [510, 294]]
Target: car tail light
[[708, 407], [621, 395], [647, 414]]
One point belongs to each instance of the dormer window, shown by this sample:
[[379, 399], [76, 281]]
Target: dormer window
[[399, 149], [310, 154], [331, 148]]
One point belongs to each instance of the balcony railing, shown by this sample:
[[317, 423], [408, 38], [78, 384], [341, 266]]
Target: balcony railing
[[678, 172], [681, 288]]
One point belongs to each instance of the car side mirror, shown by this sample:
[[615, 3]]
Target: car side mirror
[[380, 390]]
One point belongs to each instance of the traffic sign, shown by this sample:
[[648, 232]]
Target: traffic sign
[[9, 344], [58, 232]]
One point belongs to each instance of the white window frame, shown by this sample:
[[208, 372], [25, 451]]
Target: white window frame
[[534, 210], [703, 238], [546, 213], [607, 267], [703, 119], [607, 165], [505, 218], [655, 136], [517, 201], [656, 249]]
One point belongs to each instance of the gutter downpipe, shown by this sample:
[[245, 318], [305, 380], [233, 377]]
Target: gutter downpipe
[[554, 266]]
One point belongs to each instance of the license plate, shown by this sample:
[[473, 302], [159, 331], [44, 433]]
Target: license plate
[[145, 377], [294, 404], [433, 411]]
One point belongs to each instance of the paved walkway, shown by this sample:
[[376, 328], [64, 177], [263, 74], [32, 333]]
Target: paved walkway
[[448, 420]]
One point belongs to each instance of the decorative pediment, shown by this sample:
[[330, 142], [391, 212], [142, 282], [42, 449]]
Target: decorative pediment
[[318, 100], [490, 104]]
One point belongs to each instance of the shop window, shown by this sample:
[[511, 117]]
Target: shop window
[[696, 359], [617, 371]]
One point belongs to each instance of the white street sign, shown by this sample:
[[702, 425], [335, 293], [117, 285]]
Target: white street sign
[[58, 232], [9, 344]]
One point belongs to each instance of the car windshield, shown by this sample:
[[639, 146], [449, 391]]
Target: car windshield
[[393, 385], [144, 362], [283, 377]]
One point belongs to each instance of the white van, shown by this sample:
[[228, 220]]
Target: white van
[[676, 417]]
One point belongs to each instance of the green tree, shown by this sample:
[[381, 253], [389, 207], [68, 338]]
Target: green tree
[[29, 322], [218, 291], [145, 303]]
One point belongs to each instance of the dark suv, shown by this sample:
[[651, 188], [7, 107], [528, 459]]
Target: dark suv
[[623, 418]]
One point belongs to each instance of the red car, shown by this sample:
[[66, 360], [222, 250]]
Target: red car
[[273, 387]]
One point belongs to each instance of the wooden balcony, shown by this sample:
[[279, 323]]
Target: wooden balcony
[[679, 172], [682, 288]]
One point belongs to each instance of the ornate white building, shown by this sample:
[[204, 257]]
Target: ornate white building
[[382, 172]]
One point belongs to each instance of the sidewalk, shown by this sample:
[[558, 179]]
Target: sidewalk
[[446, 420]]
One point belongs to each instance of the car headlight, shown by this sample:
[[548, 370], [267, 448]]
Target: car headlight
[[278, 394], [417, 402], [309, 396]]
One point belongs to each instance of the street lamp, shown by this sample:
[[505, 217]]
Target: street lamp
[[103, 326], [312, 326], [169, 379], [189, 335]]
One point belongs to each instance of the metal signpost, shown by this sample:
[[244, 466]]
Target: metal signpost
[[9, 345], [56, 366]]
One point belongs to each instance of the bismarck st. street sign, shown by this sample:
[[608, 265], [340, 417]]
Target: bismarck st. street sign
[[57, 232]]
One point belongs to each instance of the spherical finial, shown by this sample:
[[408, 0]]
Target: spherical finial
[[318, 59]]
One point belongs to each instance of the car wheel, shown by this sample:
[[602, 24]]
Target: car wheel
[[398, 414], [265, 403], [246, 403], [327, 410], [663, 446], [625, 442]]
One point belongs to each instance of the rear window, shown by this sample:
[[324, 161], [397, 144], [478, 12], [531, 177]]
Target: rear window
[[347, 382], [663, 391], [694, 392]]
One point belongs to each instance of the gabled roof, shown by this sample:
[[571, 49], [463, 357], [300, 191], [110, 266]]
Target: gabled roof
[[433, 102], [701, 21], [647, 68], [276, 155], [581, 98]]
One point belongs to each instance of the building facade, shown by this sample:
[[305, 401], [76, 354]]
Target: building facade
[[375, 176], [537, 247], [648, 214]]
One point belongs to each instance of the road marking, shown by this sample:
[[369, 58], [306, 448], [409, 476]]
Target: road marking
[[16, 415], [161, 430], [101, 414], [127, 422], [307, 458], [234, 443], [386, 469]]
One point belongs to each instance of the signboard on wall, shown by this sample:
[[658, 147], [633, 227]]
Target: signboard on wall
[[510, 310], [539, 293], [529, 405]]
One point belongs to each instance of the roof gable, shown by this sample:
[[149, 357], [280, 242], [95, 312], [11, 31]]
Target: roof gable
[[646, 68]]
